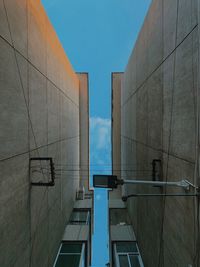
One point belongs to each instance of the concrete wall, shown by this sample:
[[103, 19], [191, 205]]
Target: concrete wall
[[39, 116], [159, 111], [82, 232], [116, 130], [84, 130]]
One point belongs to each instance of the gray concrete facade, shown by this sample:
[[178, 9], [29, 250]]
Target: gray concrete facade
[[39, 117], [82, 232], [116, 79], [84, 130], [159, 121]]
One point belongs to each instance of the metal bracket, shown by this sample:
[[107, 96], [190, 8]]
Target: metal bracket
[[125, 198], [156, 169], [185, 184], [50, 182]]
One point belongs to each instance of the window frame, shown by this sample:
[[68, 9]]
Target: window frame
[[76, 222], [128, 222], [128, 254], [83, 255]]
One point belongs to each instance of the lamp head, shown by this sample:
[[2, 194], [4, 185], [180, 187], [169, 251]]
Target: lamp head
[[105, 181]]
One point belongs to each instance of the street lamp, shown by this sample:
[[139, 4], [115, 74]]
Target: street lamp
[[112, 182]]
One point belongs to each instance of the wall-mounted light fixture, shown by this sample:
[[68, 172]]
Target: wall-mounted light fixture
[[111, 182]]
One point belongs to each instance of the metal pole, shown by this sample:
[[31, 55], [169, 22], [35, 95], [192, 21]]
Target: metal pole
[[183, 183], [125, 198]]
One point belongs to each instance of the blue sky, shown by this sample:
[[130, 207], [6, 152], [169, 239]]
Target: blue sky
[[98, 37]]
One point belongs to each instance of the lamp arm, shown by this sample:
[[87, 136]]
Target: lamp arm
[[125, 198], [183, 183]]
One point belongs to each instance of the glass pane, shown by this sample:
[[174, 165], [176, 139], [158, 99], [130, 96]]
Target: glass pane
[[79, 216], [71, 248], [134, 261], [126, 247], [118, 216], [123, 260], [68, 261]]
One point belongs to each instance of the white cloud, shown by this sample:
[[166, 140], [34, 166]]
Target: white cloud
[[100, 146], [100, 132], [98, 122]]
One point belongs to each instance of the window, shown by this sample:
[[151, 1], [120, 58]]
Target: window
[[80, 217], [71, 254], [119, 216], [126, 254]]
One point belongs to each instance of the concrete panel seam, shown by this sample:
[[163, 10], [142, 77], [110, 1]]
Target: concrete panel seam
[[137, 89], [39, 147], [156, 149], [39, 70]]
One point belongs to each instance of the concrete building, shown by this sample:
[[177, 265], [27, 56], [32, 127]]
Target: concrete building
[[160, 125], [124, 250], [84, 130], [43, 143]]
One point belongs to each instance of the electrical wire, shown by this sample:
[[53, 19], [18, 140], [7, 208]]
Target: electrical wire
[[32, 236], [195, 108], [102, 165], [23, 92], [161, 247], [130, 171], [160, 195], [196, 173], [59, 173], [96, 170]]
